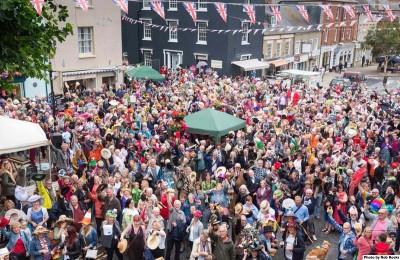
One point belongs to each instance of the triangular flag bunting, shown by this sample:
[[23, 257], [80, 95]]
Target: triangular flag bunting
[[327, 10], [38, 5], [350, 11], [251, 12], [122, 4], [277, 13], [368, 12], [303, 12], [389, 13], [189, 6], [221, 9], [83, 4], [158, 7]]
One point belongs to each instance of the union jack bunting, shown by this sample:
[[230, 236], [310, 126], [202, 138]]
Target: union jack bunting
[[350, 11], [158, 7], [221, 9], [123, 4], [38, 5], [303, 12], [327, 10], [251, 12], [83, 4], [368, 12], [389, 13], [189, 6], [277, 13]]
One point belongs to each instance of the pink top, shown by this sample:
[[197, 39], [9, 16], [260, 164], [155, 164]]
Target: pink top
[[364, 246], [380, 227]]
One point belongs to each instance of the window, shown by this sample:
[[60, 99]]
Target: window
[[173, 5], [326, 35], [247, 2], [147, 57], [85, 42], [273, 21], [287, 48], [297, 47], [201, 32], [268, 51], [278, 49], [245, 32], [201, 6], [245, 57], [343, 34], [173, 31], [349, 36], [336, 34], [146, 4], [146, 29]]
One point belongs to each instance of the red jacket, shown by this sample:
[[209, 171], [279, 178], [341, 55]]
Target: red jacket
[[382, 248]]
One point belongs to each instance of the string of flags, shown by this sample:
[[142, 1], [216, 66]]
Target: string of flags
[[250, 9], [313, 27]]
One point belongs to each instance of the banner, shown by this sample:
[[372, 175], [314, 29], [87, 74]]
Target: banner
[[389, 13], [368, 12], [328, 11], [189, 6], [221, 9], [350, 11], [38, 5], [83, 4], [303, 12], [158, 7], [277, 13], [251, 13], [122, 4]]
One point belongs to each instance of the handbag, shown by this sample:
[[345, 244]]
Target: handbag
[[91, 254]]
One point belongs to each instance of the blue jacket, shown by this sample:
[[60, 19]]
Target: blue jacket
[[35, 247], [346, 241], [90, 239], [12, 239]]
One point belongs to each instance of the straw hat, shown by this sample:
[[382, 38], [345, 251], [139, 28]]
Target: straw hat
[[122, 245], [64, 218], [220, 172], [40, 230], [153, 241], [87, 219], [105, 153], [15, 214]]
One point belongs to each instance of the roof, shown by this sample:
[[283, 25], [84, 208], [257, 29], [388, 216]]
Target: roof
[[88, 71], [253, 64]]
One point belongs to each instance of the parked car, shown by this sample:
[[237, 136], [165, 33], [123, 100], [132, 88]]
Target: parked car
[[354, 77], [344, 82]]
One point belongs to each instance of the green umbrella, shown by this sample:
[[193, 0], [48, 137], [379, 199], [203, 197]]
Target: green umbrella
[[144, 72], [213, 123]]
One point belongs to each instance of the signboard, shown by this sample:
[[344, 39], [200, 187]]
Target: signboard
[[216, 64]]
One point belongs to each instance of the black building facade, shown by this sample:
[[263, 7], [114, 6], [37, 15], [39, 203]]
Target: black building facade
[[171, 47]]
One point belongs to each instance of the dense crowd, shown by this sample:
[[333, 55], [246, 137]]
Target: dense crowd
[[133, 183]]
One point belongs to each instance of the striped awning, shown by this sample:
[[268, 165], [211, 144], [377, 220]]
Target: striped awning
[[89, 71]]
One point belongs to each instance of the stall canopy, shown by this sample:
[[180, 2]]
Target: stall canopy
[[279, 63], [249, 65], [301, 73], [144, 72], [213, 123], [17, 135]]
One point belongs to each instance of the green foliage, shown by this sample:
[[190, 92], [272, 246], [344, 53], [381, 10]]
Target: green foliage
[[28, 41], [385, 39]]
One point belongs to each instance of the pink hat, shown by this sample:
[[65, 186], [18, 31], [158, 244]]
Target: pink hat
[[197, 214]]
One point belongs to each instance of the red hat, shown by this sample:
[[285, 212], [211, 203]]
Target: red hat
[[337, 139], [4, 222], [197, 214], [277, 165], [394, 165]]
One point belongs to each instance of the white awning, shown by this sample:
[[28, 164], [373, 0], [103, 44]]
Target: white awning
[[89, 71], [17, 135], [253, 64]]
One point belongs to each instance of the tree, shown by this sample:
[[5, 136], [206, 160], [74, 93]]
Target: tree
[[384, 40], [28, 41]]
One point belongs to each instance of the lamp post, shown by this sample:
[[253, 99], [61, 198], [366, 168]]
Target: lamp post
[[53, 99]]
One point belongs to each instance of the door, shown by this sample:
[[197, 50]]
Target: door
[[174, 60]]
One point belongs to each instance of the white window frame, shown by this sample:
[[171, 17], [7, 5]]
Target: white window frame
[[170, 32], [336, 34], [147, 27], [350, 32], [268, 50], [287, 44], [344, 15], [245, 57], [245, 32], [297, 47], [278, 53], [198, 22], [326, 35], [144, 51], [89, 39], [201, 6], [146, 5], [337, 13], [273, 21], [172, 5]]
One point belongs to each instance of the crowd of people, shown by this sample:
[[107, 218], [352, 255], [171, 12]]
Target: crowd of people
[[132, 182]]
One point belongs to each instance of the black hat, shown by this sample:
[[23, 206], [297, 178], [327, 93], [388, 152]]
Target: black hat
[[268, 229], [38, 176]]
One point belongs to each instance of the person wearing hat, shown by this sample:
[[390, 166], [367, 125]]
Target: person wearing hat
[[18, 242], [202, 249], [293, 242], [156, 239], [135, 235], [195, 227], [40, 247], [110, 234], [37, 215], [88, 233]]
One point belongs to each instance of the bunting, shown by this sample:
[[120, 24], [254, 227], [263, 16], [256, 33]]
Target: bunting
[[221, 9], [328, 11], [303, 12], [277, 13], [389, 13], [350, 11], [122, 4], [189, 6], [158, 7], [368, 12], [249, 9], [83, 4], [38, 5]]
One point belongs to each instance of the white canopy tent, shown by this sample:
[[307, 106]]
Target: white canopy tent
[[17, 135], [249, 65]]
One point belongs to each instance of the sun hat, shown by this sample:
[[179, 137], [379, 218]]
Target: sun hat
[[34, 198], [105, 153], [122, 245], [40, 230], [64, 218], [153, 241]]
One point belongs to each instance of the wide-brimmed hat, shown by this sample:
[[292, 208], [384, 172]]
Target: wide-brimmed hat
[[40, 230], [38, 176], [288, 203], [153, 241], [122, 245], [34, 198], [105, 153], [15, 212], [220, 172], [64, 218]]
